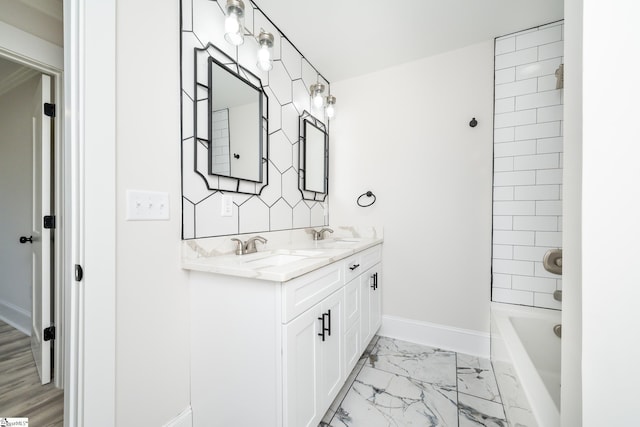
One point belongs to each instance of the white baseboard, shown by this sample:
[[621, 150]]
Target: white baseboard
[[434, 335], [16, 316], [185, 419]]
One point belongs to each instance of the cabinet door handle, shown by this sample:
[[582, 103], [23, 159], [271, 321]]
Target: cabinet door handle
[[329, 322], [322, 328], [375, 281], [354, 266]]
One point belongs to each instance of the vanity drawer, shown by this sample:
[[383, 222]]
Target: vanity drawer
[[352, 268], [370, 257], [358, 263], [302, 293]]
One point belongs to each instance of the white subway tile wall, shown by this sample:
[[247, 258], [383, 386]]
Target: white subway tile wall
[[527, 179], [221, 163]]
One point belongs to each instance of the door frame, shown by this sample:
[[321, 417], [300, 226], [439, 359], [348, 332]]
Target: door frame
[[90, 135], [47, 58], [85, 186]]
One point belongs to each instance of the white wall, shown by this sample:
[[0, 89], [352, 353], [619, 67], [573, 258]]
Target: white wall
[[404, 134], [610, 213], [152, 381], [15, 193], [572, 221]]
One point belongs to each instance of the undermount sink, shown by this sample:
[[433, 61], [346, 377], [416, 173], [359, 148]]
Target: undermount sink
[[275, 260]]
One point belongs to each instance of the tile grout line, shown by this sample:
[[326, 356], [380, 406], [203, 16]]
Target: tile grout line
[[457, 393]]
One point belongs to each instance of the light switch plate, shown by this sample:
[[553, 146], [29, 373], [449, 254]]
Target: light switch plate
[[147, 205], [227, 206]]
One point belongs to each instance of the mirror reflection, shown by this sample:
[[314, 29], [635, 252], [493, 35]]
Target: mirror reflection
[[235, 125], [315, 158]]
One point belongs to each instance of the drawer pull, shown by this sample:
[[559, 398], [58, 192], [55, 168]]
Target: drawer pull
[[354, 266]]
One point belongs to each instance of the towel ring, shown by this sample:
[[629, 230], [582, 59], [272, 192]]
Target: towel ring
[[368, 194]]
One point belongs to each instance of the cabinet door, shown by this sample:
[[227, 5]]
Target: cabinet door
[[332, 349], [365, 314], [375, 299], [352, 347], [302, 347], [371, 310]]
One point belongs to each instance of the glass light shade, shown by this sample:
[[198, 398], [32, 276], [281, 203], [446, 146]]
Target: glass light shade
[[331, 111], [233, 29], [264, 58], [318, 100]]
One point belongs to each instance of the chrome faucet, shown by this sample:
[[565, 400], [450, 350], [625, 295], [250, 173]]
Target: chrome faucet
[[249, 247], [319, 235]]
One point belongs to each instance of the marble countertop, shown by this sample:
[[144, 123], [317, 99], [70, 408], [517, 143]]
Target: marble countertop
[[280, 260]]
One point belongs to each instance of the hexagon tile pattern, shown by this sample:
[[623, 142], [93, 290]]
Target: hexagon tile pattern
[[280, 205]]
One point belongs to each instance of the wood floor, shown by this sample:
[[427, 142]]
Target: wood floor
[[21, 394]]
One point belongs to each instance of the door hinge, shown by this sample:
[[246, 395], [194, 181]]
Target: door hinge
[[49, 221], [49, 333], [78, 272], [49, 109]]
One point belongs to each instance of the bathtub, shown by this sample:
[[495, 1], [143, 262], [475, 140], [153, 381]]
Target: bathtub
[[525, 354]]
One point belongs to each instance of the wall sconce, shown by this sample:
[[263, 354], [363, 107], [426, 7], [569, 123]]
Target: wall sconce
[[331, 106], [234, 34], [233, 23], [265, 41], [316, 95]]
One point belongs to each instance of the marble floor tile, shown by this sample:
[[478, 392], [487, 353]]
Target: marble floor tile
[[379, 398], [348, 383], [396, 383], [416, 361], [474, 412], [475, 377]]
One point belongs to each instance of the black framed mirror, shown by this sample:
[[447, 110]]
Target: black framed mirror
[[235, 125], [231, 122], [314, 158]]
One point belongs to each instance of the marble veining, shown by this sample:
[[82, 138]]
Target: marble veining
[[428, 364], [383, 390], [380, 398], [474, 411], [514, 399], [476, 377], [217, 255]]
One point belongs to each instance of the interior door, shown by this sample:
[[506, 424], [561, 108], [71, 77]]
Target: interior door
[[41, 237]]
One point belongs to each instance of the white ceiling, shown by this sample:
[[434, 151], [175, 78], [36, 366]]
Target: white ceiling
[[42, 18], [347, 38], [13, 74]]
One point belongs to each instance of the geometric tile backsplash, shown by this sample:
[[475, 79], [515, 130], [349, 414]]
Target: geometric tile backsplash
[[527, 177], [279, 206]]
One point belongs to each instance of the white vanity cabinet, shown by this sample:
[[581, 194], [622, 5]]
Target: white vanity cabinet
[[313, 361], [277, 353], [371, 301]]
